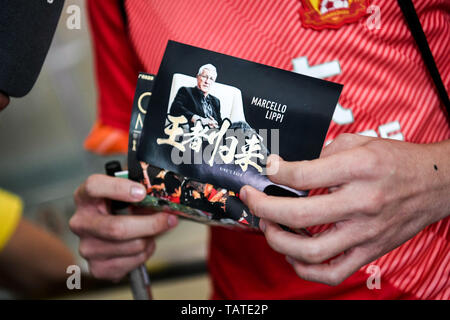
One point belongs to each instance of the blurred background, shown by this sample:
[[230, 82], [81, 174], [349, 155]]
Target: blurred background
[[43, 161]]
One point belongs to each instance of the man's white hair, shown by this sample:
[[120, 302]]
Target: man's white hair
[[208, 66]]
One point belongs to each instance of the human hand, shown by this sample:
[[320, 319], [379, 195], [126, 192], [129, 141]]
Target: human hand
[[213, 123], [114, 245], [382, 193], [210, 122]]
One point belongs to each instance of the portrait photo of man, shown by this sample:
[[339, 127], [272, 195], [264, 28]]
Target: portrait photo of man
[[196, 103]]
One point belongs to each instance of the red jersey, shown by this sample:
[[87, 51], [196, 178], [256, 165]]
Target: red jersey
[[387, 93]]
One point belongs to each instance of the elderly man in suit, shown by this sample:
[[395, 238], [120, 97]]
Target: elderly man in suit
[[195, 103]]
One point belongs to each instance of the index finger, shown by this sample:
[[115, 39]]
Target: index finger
[[297, 212], [103, 186], [120, 228], [331, 171]]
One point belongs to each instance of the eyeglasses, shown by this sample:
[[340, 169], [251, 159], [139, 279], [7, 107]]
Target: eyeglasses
[[210, 78]]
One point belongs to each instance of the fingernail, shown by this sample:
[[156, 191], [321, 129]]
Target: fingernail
[[272, 165], [290, 260], [172, 221], [243, 193], [273, 157], [269, 162], [262, 225], [137, 192]]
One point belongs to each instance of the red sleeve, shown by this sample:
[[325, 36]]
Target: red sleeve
[[116, 63]]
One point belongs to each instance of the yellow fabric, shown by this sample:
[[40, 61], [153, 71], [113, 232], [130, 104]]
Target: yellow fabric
[[10, 212]]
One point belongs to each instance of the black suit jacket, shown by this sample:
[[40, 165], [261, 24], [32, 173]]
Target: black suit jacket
[[188, 103]]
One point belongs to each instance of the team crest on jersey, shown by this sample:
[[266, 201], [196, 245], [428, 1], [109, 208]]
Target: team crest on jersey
[[321, 14]]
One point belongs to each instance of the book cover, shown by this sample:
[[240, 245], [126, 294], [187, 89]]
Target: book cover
[[166, 191], [211, 120]]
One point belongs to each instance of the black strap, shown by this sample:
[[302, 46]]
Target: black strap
[[415, 27], [123, 12]]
